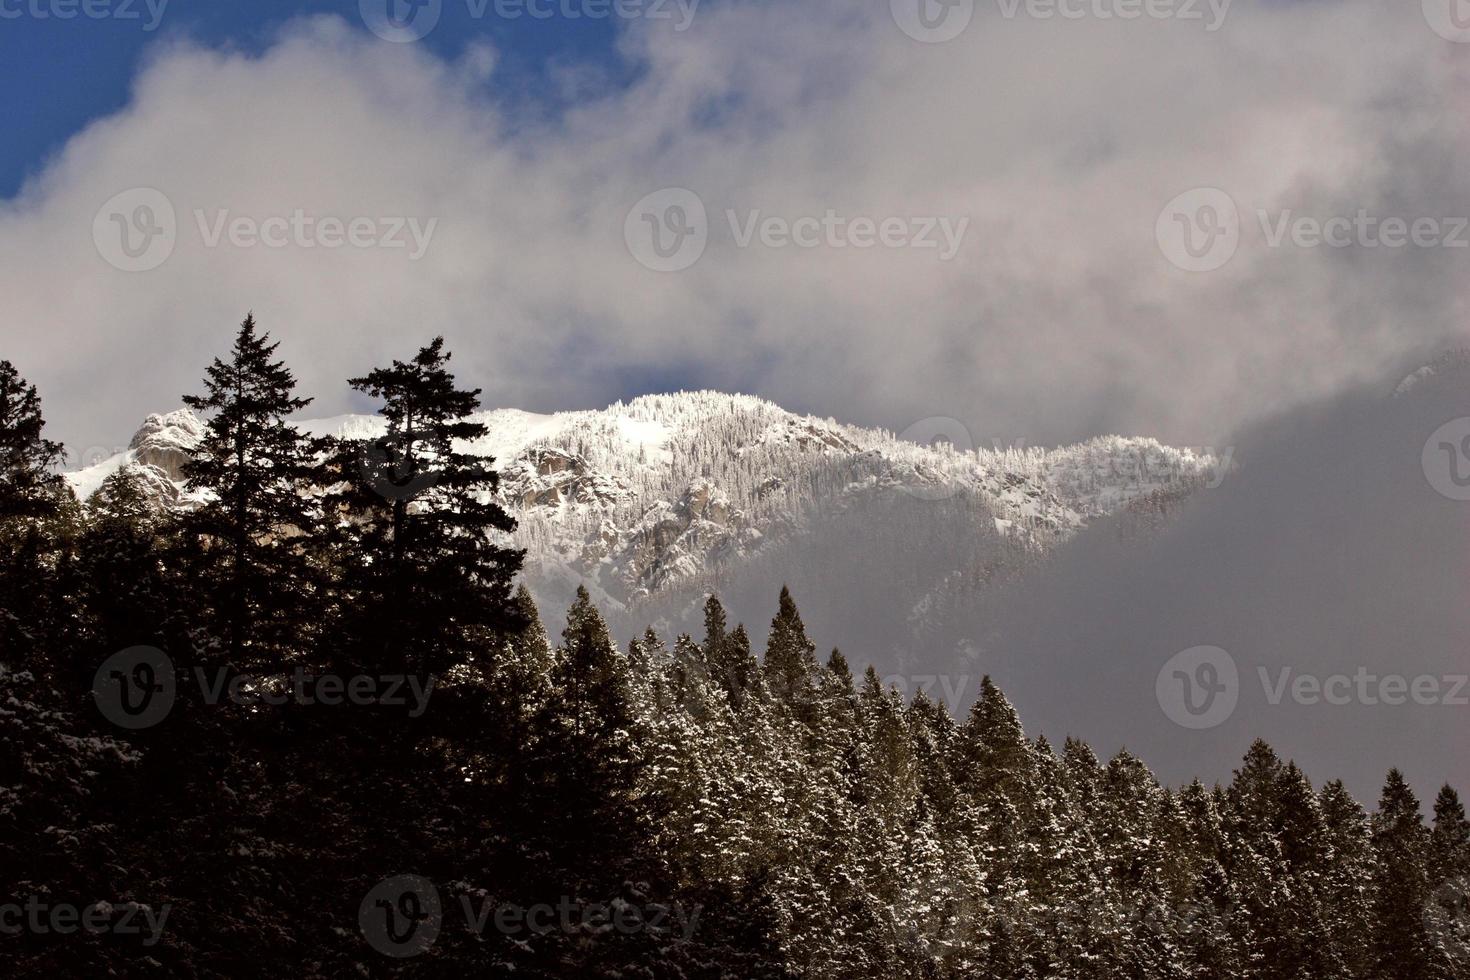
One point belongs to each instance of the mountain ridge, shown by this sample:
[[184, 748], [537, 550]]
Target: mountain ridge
[[663, 493]]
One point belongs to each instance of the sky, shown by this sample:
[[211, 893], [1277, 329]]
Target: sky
[[1047, 221]]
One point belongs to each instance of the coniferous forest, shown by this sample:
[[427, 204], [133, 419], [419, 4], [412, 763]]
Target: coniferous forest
[[312, 726]]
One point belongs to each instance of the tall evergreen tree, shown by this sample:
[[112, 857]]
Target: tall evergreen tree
[[1348, 882], [38, 522], [252, 470], [28, 461], [1401, 949], [423, 555], [790, 657]]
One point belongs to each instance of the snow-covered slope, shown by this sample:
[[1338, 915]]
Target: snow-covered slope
[[666, 493]]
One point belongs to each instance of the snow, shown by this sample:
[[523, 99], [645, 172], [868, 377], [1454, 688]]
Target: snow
[[660, 492]]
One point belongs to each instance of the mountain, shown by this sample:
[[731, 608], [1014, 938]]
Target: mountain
[[654, 502]]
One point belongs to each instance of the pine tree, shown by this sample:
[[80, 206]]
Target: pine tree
[[1348, 882], [1401, 949], [587, 766], [125, 587], [1448, 910], [1449, 846], [790, 657], [29, 485], [252, 470], [422, 553], [39, 520]]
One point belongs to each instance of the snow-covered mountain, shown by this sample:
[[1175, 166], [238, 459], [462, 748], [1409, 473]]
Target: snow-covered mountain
[[667, 495]]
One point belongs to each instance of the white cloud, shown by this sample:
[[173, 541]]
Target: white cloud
[[1060, 141]]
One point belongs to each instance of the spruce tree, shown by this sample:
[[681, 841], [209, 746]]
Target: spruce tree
[[252, 471], [39, 520], [1401, 948], [1348, 882], [425, 567], [587, 767], [1448, 911], [29, 483], [1449, 847], [790, 657], [122, 564]]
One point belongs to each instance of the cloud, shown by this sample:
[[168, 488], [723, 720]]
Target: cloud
[[1059, 140]]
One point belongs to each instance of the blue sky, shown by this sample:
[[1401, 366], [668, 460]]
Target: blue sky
[[63, 73], [1065, 149]]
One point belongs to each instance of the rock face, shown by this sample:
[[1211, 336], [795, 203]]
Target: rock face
[[666, 494], [164, 442]]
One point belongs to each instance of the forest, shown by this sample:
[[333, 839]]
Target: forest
[[312, 725]]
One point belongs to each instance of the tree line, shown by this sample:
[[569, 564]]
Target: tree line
[[684, 809]]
